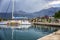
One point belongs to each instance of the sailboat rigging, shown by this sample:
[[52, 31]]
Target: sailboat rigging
[[12, 8], [14, 21]]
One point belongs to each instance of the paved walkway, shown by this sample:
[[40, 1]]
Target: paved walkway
[[53, 36], [46, 23]]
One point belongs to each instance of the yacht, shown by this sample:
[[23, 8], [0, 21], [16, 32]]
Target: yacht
[[15, 20], [19, 21]]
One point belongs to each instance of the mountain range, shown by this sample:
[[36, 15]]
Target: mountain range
[[50, 12]]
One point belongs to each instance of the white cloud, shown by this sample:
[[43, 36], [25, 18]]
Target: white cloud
[[28, 5], [4, 6], [54, 3], [31, 5], [34, 5]]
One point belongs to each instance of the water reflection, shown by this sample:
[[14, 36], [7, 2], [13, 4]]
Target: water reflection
[[25, 32], [44, 28], [5, 34], [18, 26]]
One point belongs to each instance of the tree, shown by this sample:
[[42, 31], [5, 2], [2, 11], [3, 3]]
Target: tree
[[57, 14], [0, 19]]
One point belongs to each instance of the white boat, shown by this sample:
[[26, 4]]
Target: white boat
[[13, 21], [3, 23]]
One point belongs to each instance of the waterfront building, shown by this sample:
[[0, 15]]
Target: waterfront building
[[52, 19]]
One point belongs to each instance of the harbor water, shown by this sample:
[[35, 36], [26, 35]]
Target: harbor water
[[25, 32]]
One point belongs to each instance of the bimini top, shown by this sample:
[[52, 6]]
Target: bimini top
[[20, 18]]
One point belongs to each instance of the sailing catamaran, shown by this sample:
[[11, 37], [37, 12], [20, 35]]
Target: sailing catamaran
[[14, 21]]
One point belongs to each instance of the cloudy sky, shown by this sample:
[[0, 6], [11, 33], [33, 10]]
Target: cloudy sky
[[27, 5]]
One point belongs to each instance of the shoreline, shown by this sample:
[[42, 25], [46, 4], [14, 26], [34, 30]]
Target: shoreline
[[52, 36], [46, 24]]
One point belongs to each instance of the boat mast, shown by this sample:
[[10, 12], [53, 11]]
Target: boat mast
[[12, 8]]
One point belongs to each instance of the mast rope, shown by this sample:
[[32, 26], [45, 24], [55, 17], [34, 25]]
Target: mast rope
[[8, 7]]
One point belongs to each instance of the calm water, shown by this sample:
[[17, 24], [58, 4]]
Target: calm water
[[25, 32]]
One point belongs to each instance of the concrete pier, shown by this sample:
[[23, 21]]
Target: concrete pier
[[46, 23], [52, 36]]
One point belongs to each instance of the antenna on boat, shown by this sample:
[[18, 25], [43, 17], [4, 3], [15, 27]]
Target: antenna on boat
[[12, 8]]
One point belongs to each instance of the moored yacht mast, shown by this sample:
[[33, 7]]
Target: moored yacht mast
[[12, 8]]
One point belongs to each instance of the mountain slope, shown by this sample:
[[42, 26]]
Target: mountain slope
[[49, 12]]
